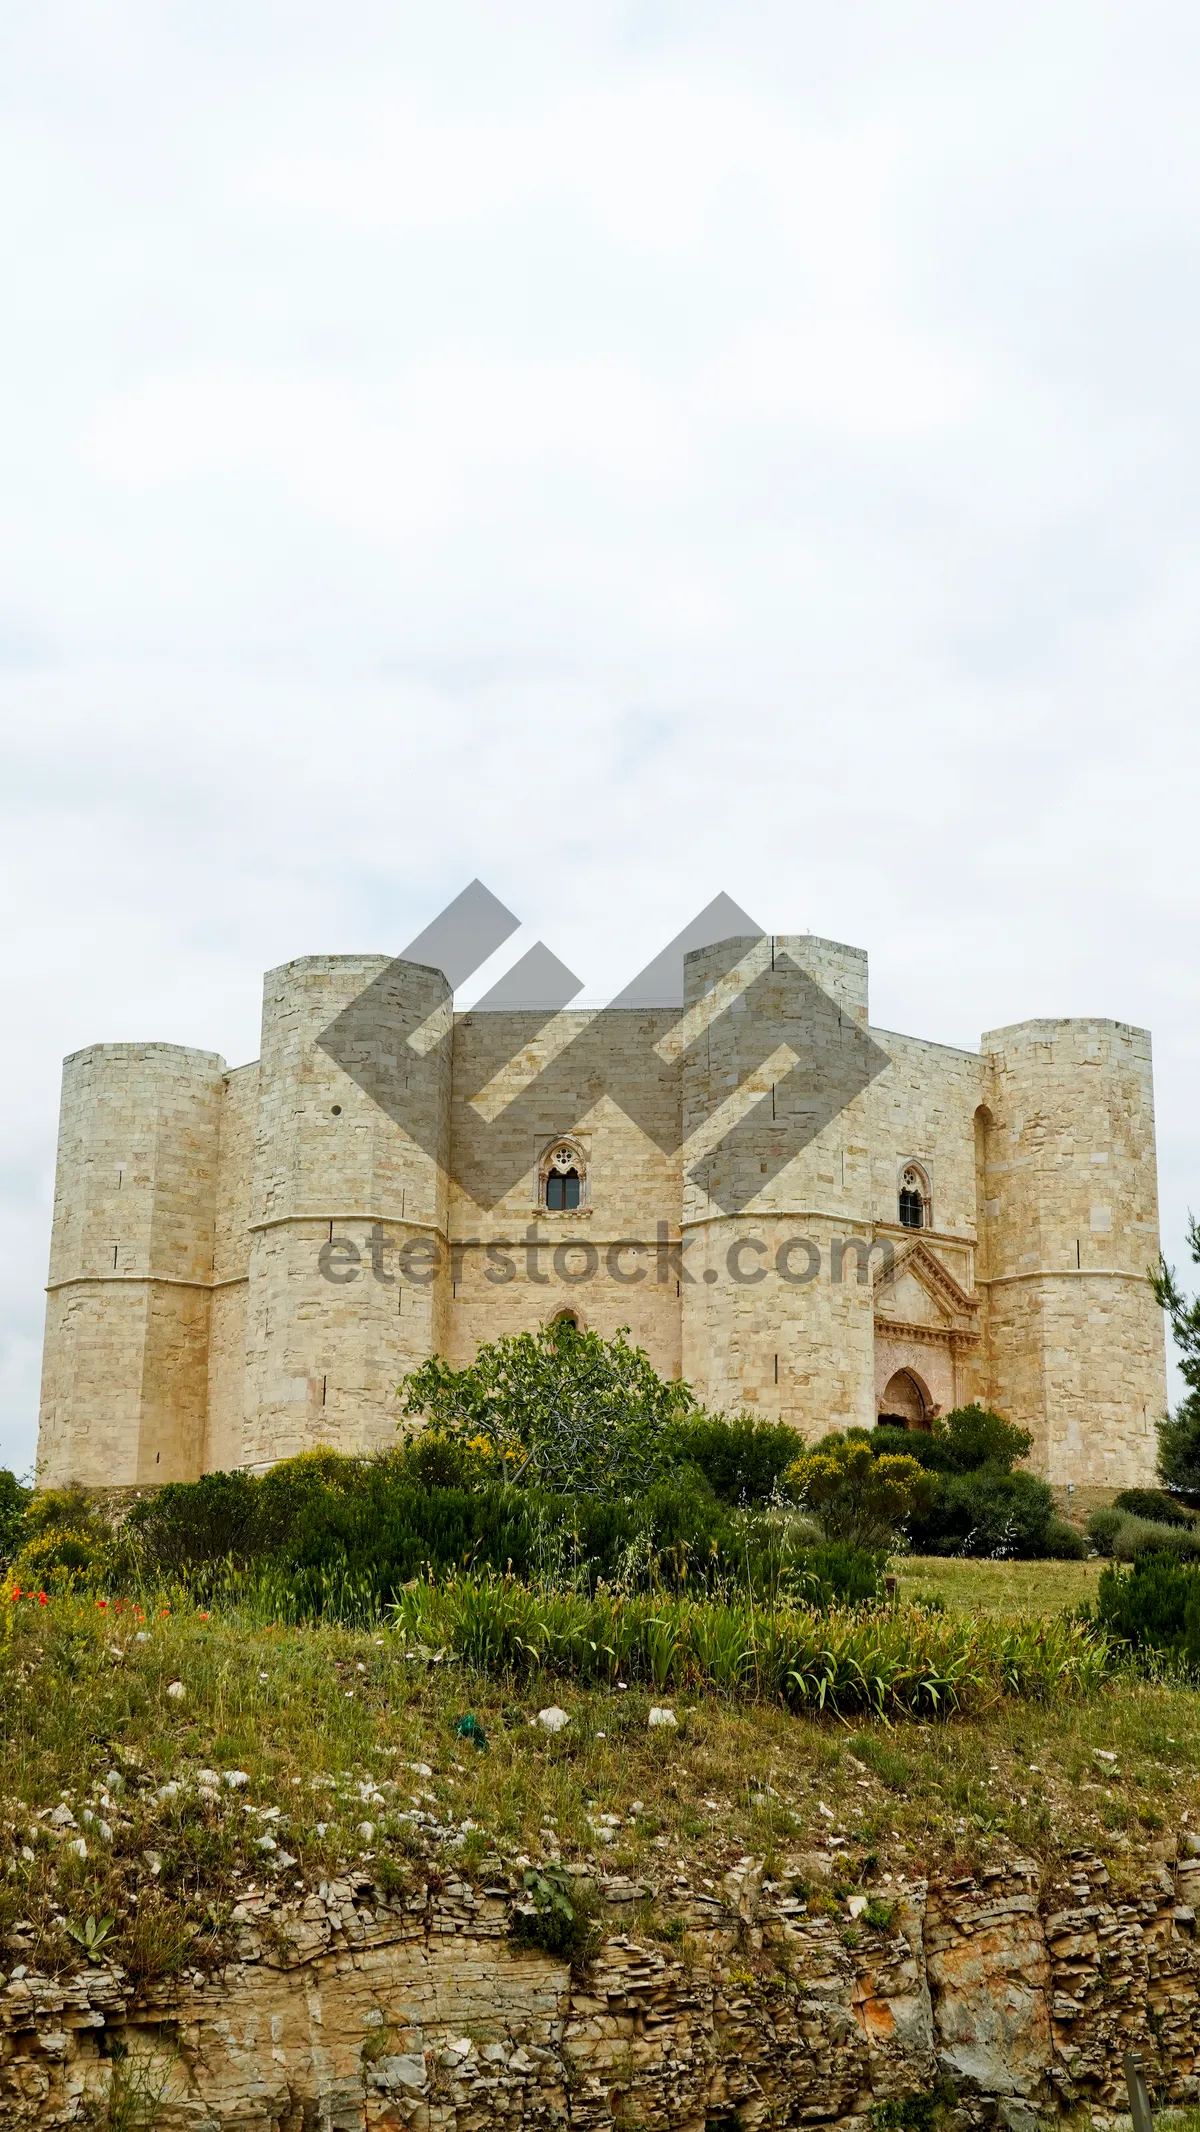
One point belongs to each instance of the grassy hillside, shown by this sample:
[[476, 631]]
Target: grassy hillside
[[155, 1767]]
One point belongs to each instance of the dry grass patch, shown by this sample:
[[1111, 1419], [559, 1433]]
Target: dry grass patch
[[971, 1587]]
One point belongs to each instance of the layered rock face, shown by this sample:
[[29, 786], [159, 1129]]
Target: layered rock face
[[1020, 1990]]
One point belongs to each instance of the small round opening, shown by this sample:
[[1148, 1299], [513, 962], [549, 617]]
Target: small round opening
[[337, 1110]]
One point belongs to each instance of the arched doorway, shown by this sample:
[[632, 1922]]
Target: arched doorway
[[905, 1403]]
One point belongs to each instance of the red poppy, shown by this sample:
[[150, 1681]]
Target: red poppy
[[42, 1600], [15, 1592], [103, 1605]]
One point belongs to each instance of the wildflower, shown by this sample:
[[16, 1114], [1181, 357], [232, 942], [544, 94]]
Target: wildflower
[[42, 1600], [103, 1605], [15, 1592], [203, 1615], [163, 1611]]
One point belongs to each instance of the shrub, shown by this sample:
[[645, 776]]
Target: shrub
[[559, 1914], [15, 1499], [996, 1514], [1152, 1503], [1154, 1606], [966, 1440], [838, 1575], [1103, 1527], [63, 1558], [68, 1543], [1136, 1537], [856, 1496], [189, 1522], [564, 1409], [743, 1461], [980, 1506]]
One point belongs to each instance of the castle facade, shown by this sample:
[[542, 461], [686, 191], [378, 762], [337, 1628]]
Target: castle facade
[[808, 1218]]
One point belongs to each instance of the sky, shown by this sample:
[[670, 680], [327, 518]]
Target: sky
[[624, 452]]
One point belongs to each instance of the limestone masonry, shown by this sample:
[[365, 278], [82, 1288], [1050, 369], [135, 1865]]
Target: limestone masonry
[[809, 1219], [1023, 1988]]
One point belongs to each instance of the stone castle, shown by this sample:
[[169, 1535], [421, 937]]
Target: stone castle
[[807, 1218]]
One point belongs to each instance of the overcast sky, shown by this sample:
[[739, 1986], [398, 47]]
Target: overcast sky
[[620, 451]]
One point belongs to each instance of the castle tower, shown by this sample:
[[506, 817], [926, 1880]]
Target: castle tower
[[779, 1316], [341, 1187], [124, 1375], [1068, 1228]]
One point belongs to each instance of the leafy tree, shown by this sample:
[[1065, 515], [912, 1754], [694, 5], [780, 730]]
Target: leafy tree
[[14, 1502], [560, 1408], [1179, 1433], [856, 1496]]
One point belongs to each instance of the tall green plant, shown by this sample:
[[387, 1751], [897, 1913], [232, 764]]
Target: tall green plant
[[1179, 1433], [857, 1497], [577, 1414]]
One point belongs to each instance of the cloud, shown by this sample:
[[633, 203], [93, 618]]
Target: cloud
[[625, 452]]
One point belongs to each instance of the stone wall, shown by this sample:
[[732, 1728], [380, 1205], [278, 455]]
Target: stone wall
[[1020, 1989], [125, 1370], [1070, 1215], [193, 1323]]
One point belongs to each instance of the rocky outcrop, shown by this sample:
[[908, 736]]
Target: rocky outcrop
[[706, 2008]]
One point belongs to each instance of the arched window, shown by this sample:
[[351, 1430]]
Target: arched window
[[562, 1173], [562, 1190], [914, 1198]]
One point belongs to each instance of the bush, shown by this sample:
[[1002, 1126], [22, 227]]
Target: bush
[[560, 1914], [187, 1523], [560, 1408], [67, 1543], [995, 1514], [1154, 1606], [1136, 1537], [857, 1496], [62, 1559], [743, 1461], [350, 1533], [966, 1440], [15, 1499], [1103, 1527], [837, 1575], [980, 1505], [1153, 1503]]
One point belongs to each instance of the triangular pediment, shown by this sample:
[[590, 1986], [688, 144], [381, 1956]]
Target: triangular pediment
[[917, 1289]]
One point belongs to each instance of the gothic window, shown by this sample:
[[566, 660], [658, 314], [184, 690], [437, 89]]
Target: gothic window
[[562, 1179], [913, 1199]]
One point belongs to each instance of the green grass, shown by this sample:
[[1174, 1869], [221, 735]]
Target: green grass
[[326, 1722], [895, 1660], [999, 1588]]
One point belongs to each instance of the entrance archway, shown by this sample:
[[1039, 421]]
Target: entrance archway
[[905, 1403]]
